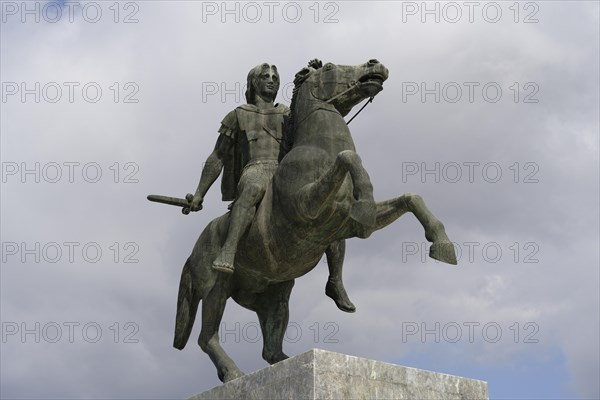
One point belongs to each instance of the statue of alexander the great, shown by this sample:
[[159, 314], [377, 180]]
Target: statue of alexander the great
[[285, 216]]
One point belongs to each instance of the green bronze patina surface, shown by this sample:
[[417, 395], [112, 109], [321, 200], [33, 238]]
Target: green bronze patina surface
[[299, 190]]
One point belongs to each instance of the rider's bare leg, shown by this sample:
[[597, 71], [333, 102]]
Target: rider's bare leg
[[335, 285], [242, 213]]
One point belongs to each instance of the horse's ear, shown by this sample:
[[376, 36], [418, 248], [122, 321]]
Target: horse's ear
[[302, 75]]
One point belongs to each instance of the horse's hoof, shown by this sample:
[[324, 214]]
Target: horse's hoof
[[443, 251], [339, 295], [364, 212], [275, 358], [281, 356], [231, 375]]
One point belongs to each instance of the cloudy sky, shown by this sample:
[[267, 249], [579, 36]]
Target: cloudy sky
[[490, 114]]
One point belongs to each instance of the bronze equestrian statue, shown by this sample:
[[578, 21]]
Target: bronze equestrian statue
[[320, 194]]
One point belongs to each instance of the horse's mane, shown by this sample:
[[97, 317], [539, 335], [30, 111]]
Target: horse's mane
[[299, 79]]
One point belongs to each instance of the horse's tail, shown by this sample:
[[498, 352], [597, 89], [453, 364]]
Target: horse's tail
[[187, 306]]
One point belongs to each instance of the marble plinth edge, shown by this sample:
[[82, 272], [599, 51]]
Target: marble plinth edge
[[321, 374]]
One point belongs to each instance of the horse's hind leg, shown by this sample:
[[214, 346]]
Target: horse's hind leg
[[388, 211], [273, 313], [213, 306]]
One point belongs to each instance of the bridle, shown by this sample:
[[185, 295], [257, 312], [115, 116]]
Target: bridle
[[352, 86]]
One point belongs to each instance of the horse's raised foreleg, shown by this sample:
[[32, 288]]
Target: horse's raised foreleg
[[388, 211], [315, 196], [273, 312], [213, 306]]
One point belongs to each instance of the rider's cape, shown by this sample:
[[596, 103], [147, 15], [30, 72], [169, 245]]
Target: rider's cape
[[237, 125]]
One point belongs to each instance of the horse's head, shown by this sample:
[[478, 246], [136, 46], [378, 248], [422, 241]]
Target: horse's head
[[342, 86]]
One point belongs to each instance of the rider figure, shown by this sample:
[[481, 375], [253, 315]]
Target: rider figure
[[249, 147]]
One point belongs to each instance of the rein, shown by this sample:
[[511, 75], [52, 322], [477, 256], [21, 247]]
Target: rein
[[362, 108]]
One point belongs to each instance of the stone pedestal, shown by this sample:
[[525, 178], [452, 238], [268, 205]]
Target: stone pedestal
[[320, 374]]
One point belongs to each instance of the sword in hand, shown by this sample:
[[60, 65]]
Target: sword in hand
[[185, 204]]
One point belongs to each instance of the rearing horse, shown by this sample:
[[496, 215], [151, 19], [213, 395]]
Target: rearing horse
[[320, 194]]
